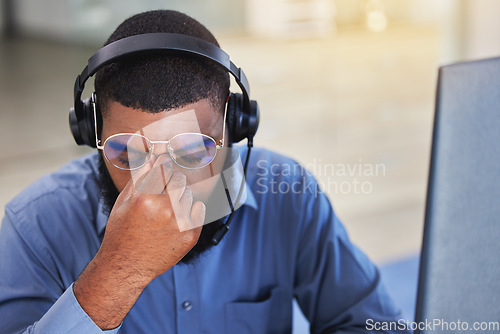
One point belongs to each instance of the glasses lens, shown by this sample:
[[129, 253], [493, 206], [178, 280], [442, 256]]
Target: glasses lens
[[127, 151], [193, 150]]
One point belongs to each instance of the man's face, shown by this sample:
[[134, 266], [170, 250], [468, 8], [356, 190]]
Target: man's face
[[197, 117]]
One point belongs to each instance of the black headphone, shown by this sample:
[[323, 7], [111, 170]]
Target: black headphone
[[242, 113]]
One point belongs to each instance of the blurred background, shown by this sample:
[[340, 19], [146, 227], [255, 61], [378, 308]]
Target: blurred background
[[346, 87]]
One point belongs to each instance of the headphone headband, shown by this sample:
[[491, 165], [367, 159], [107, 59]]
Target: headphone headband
[[160, 43], [243, 113]]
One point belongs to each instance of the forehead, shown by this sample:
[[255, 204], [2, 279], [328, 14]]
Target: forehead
[[196, 117]]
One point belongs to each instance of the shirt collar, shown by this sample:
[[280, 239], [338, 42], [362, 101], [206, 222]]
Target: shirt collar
[[250, 201]]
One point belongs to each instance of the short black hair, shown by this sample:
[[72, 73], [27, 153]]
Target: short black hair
[[156, 83]]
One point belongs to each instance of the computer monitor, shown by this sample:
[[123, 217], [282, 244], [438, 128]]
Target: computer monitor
[[459, 280]]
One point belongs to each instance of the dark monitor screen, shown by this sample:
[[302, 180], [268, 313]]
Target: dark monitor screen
[[460, 265]]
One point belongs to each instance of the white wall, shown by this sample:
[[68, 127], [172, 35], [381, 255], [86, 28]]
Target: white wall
[[1, 18], [481, 36], [92, 21], [47, 18], [290, 18], [470, 28]]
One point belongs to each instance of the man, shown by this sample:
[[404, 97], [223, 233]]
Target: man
[[102, 245]]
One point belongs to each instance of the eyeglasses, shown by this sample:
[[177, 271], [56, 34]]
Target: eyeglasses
[[130, 151]]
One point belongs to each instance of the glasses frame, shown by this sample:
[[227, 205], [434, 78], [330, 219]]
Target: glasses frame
[[151, 143]]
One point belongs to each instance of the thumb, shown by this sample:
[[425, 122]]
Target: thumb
[[127, 191], [136, 179]]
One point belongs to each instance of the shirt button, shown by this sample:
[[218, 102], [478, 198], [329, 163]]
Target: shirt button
[[187, 305]]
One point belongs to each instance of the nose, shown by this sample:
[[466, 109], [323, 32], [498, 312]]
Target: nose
[[160, 159]]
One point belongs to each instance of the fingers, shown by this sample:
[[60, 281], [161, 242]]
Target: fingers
[[176, 186], [187, 214], [186, 200], [156, 180], [161, 179], [181, 199], [197, 215]]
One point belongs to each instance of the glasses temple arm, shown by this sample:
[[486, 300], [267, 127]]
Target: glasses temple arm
[[223, 129], [97, 140]]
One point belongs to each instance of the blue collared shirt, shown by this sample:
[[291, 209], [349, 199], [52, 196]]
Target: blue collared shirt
[[285, 242]]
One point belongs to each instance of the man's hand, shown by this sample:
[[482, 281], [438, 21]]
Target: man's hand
[[143, 239]]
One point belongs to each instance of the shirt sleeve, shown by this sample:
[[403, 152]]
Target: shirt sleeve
[[32, 299], [336, 286]]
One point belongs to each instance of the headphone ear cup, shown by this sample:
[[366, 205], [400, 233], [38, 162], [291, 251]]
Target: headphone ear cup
[[81, 122], [241, 125], [74, 126], [233, 117], [87, 124], [253, 119]]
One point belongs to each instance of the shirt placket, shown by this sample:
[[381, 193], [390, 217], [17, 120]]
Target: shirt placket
[[188, 306]]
